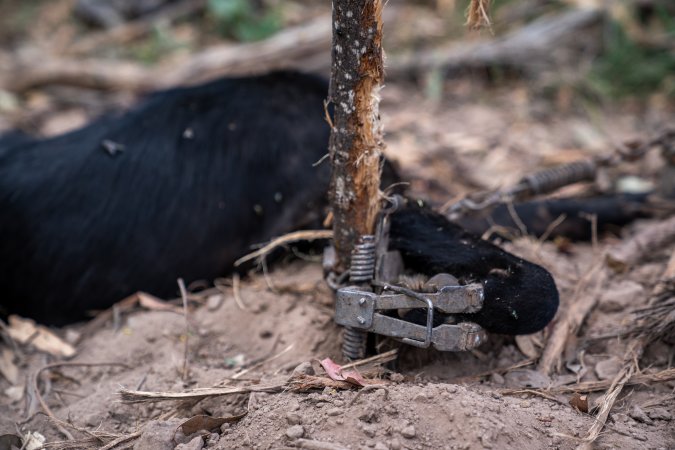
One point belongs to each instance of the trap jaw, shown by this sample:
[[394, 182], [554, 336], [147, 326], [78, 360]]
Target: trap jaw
[[372, 302]]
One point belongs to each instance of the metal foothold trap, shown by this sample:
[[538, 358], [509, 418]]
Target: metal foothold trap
[[367, 311], [373, 302]]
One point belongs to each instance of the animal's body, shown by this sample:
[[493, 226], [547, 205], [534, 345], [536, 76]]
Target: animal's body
[[187, 182]]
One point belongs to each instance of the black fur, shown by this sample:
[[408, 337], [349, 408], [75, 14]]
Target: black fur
[[184, 184], [611, 212], [201, 174], [520, 297]]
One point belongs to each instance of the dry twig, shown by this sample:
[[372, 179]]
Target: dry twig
[[237, 292], [382, 358], [298, 383], [478, 14], [42, 402], [303, 235], [594, 386], [183, 294], [581, 304], [121, 440]]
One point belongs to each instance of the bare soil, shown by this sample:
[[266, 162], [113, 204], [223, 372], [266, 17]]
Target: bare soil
[[475, 137]]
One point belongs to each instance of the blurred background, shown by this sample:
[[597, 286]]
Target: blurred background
[[549, 81]]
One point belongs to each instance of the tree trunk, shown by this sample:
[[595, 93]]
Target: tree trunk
[[356, 142]]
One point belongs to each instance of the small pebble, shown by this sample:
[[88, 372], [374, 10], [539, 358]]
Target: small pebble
[[608, 368], [639, 437], [381, 446], [408, 432], [394, 444], [638, 414], [369, 430], [659, 414], [213, 302], [293, 418], [421, 398], [390, 409], [303, 369], [295, 432], [497, 378], [368, 416], [396, 378], [293, 406], [334, 412], [195, 444]]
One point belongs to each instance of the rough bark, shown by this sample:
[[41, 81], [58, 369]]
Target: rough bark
[[356, 139]]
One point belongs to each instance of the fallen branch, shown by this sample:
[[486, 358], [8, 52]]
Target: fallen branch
[[306, 46], [136, 29], [645, 243], [132, 396], [618, 382], [280, 50], [531, 48], [581, 305], [601, 385], [298, 383]]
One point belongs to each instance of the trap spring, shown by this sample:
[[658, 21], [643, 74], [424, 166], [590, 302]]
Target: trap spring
[[549, 180]]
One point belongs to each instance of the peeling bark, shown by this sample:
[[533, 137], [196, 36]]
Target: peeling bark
[[356, 142]]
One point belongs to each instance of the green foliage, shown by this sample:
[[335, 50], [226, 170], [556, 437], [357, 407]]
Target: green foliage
[[159, 43], [627, 68], [241, 20]]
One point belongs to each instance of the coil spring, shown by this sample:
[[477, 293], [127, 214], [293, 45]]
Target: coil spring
[[354, 343], [361, 270], [362, 264], [554, 178]]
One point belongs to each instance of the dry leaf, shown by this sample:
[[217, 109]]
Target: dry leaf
[[334, 371], [7, 367], [352, 376], [27, 331], [579, 402], [206, 423], [527, 344]]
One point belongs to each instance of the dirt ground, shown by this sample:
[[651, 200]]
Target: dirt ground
[[468, 136], [488, 398]]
